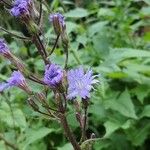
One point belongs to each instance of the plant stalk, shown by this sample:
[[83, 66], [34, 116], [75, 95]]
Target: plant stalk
[[68, 132]]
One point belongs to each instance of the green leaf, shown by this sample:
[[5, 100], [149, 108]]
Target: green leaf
[[67, 146], [77, 13], [119, 54], [97, 27], [138, 135], [110, 127], [145, 11], [15, 118], [146, 112], [34, 135], [70, 26], [123, 105], [113, 124], [141, 92], [2, 145], [105, 12]]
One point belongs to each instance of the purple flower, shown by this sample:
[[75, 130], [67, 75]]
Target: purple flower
[[58, 16], [53, 75], [3, 86], [3, 47], [58, 22], [16, 79], [80, 83], [20, 7]]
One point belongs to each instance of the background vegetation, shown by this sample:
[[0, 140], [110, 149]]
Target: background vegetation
[[113, 38]]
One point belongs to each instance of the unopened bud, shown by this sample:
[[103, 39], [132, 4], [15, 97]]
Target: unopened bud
[[41, 97], [58, 22], [33, 104]]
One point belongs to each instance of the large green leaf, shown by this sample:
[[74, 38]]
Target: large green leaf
[[12, 117], [77, 13], [123, 105], [146, 111], [138, 135], [34, 135], [118, 54], [112, 125]]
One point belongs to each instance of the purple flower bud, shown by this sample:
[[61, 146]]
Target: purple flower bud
[[20, 8], [16, 79], [80, 83], [58, 22], [53, 75], [3, 47]]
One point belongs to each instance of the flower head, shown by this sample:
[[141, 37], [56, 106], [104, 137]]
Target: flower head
[[3, 47], [53, 75], [20, 7], [16, 79], [58, 22], [80, 83]]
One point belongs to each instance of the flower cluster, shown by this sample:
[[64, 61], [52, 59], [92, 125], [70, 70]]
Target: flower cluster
[[20, 8], [65, 84], [79, 83]]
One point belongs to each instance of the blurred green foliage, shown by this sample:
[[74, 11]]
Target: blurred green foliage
[[112, 37]]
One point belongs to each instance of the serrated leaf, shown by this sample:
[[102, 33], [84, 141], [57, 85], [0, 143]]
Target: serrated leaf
[[97, 27], [119, 54], [123, 105], [110, 127], [34, 135], [70, 26], [146, 112], [15, 118], [138, 135]]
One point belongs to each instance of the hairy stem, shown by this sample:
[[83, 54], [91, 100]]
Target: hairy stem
[[68, 132], [40, 15], [84, 125], [55, 44], [66, 60], [40, 48]]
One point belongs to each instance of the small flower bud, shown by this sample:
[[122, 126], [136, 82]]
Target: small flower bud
[[41, 97], [4, 50], [33, 104], [17, 79], [58, 22], [19, 65], [78, 117]]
